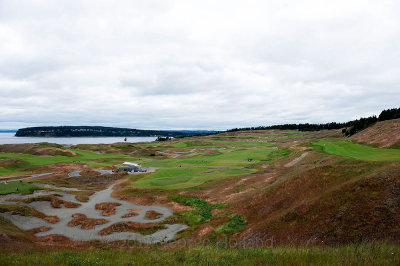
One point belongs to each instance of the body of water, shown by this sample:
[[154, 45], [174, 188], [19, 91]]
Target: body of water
[[9, 138]]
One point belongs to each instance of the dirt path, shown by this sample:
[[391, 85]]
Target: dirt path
[[293, 163]]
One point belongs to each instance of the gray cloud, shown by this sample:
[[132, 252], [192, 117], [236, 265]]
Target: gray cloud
[[196, 64]]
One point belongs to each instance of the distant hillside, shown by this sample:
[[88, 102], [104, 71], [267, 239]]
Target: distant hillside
[[348, 128], [96, 131], [383, 134]]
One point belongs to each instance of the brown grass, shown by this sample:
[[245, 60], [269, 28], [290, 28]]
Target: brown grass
[[130, 214], [86, 223], [382, 134], [27, 211], [124, 191], [54, 201], [34, 150], [131, 227], [108, 208], [152, 215]]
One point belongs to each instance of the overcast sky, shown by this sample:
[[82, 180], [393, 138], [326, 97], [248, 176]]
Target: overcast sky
[[156, 64]]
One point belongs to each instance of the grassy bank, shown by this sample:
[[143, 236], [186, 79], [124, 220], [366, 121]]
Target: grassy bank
[[25, 161], [17, 187], [358, 151], [369, 254], [194, 170]]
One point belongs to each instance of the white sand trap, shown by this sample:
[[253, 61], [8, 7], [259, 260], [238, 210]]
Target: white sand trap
[[88, 208]]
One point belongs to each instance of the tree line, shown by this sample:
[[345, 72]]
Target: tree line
[[96, 131], [348, 128]]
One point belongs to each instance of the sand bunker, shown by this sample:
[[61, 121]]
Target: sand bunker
[[101, 172], [66, 216]]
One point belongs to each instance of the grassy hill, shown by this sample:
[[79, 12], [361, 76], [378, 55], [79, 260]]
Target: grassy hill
[[311, 190], [382, 134]]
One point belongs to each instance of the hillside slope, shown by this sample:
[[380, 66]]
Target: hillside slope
[[383, 134]]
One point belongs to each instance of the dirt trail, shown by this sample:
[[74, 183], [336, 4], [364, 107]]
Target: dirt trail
[[294, 162]]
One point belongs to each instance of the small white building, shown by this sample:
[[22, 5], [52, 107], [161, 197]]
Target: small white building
[[131, 167], [131, 164]]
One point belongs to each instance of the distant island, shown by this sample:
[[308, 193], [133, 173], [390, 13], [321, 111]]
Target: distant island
[[98, 131]]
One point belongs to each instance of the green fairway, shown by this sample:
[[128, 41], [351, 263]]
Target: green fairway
[[181, 178], [198, 169], [217, 143], [227, 157], [358, 151], [12, 186], [87, 157]]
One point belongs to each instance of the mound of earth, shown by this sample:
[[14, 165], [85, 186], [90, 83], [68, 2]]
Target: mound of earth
[[54, 201], [152, 215], [108, 208], [13, 162], [383, 134], [93, 181], [86, 223], [129, 214], [27, 211], [35, 150], [89, 172], [131, 227]]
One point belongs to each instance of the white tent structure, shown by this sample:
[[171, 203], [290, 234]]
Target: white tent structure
[[131, 164]]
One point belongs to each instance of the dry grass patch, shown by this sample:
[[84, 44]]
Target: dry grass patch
[[144, 229], [26, 211], [152, 215], [108, 208], [86, 223], [54, 201]]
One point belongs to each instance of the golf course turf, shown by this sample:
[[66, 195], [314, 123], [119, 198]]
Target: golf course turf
[[225, 186], [358, 151]]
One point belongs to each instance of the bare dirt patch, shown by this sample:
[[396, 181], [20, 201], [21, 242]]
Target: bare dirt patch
[[86, 223], [204, 231]]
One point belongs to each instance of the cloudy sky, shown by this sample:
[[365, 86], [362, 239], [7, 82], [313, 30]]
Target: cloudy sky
[[160, 64]]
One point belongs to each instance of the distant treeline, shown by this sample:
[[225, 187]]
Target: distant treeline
[[203, 133], [93, 131], [349, 128]]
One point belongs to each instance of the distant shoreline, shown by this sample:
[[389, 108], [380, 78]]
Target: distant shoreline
[[10, 138], [94, 131]]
